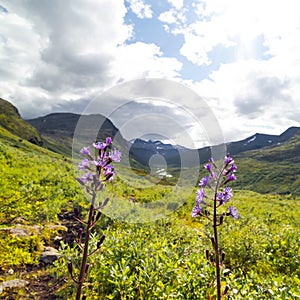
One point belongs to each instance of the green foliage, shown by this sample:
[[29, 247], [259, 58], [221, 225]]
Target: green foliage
[[11, 120], [19, 251], [147, 262], [34, 185], [264, 177], [271, 170], [166, 260]]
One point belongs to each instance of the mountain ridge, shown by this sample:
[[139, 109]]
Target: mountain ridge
[[266, 168], [10, 119], [56, 130]]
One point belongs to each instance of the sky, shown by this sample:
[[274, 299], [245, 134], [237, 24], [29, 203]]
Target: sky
[[237, 60]]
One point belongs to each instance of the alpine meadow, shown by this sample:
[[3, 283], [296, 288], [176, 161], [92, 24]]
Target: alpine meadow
[[173, 257]]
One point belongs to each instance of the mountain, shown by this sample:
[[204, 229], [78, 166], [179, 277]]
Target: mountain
[[287, 151], [272, 169], [58, 130], [259, 141], [266, 163], [142, 150], [11, 120]]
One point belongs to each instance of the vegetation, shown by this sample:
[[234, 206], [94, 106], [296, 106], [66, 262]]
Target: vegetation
[[166, 260], [163, 259], [11, 120]]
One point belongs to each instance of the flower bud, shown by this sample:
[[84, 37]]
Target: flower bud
[[226, 290], [76, 212], [222, 256], [221, 219], [99, 213], [105, 202], [70, 268], [100, 242], [207, 254], [80, 231]]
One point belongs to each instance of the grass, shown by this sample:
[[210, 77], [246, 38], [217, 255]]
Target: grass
[[163, 259]]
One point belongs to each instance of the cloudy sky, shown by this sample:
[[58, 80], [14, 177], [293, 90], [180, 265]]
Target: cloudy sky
[[242, 57]]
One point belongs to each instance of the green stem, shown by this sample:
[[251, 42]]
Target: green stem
[[216, 242], [82, 275], [216, 248]]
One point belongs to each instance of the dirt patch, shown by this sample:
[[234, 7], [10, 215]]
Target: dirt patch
[[42, 284]]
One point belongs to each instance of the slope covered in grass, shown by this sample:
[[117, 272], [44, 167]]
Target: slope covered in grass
[[11, 120], [163, 259], [271, 170]]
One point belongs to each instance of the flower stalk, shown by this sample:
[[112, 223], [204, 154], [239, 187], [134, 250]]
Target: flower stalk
[[216, 181], [98, 171]]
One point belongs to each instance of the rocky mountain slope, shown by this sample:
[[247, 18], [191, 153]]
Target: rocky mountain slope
[[11, 120]]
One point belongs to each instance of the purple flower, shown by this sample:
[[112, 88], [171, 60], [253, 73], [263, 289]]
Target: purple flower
[[115, 155], [109, 172], [85, 178], [232, 168], [233, 212], [204, 181], [99, 146], [200, 194], [196, 211], [84, 164], [108, 169], [208, 167], [99, 163], [103, 170], [231, 177], [108, 140], [228, 192], [228, 160], [85, 151], [224, 197]]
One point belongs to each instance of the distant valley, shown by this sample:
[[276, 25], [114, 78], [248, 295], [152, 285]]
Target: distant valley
[[267, 163], [55, 132]]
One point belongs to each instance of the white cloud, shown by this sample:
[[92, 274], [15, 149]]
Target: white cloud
[[176, 3], [173, 16], [141, 9], [236, 23], [255, 84], [248, 95], [54, 53], [142, 60], [59, 54]]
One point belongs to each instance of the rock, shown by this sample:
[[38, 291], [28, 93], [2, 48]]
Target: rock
[[57, 238], [19, 220], [49, 256], [14, 283], [57, 227], [19, 232], [10, 271], [25, 231]]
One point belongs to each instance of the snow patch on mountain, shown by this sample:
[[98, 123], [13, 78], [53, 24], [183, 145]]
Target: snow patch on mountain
[[251, 140]]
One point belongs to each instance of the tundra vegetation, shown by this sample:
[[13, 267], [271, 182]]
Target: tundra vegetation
[[164, 259]]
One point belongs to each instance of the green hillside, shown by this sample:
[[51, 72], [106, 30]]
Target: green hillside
[[271, 170], [11, 120], [158, 260], [38, 186]]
